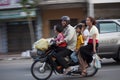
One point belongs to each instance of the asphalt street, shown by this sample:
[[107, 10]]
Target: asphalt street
[[20, 70]]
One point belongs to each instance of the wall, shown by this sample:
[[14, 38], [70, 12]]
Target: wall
[[53, 14], [107, 13], [111, 10]]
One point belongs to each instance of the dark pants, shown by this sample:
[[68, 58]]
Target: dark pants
[[87, 52], [60, 54]]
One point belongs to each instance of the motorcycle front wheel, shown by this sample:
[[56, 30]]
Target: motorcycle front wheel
[[41, 70]]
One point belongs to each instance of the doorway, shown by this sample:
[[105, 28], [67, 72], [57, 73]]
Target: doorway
[[18, 36]]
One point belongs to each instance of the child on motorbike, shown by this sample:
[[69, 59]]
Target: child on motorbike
[[80, 42], [60, 42], [60, 37]]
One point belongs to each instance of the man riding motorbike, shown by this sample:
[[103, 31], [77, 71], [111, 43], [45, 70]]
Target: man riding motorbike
[[51, 60], [71, 39]]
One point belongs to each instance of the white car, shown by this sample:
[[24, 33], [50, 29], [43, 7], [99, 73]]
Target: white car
[[109, 43]]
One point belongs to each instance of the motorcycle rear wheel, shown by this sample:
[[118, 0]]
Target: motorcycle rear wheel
[[91, 71]]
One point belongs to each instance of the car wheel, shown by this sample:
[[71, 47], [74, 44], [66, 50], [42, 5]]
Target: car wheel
[[117, 59]]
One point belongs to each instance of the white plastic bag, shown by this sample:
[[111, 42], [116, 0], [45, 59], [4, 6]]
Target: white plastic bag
[[96, 61], [26, 54]]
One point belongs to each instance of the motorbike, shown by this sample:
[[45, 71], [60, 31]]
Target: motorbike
[[46, 63]]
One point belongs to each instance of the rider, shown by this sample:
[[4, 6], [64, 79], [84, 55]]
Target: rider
[[87, 51], [85, 32], [79, 43], [71, 39]]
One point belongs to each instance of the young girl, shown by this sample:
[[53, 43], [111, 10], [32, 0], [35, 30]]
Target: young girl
[[60, 37], [85, 32], [80, 42]]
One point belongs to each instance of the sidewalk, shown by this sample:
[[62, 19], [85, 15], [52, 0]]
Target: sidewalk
[[12, 57]]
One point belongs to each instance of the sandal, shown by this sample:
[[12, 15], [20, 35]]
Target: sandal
[[83, 74]]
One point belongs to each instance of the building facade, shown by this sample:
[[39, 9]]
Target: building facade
[[52, 10], [14, 31], [107, 9]]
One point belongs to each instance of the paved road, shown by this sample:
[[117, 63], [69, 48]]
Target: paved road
[[20, 70]]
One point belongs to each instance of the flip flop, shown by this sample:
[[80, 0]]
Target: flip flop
[[83, 74]]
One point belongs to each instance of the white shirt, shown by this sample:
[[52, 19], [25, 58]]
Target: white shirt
[[86, 33], [70, 37], [93, 31]]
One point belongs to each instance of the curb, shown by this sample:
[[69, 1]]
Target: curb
[[15, 58]]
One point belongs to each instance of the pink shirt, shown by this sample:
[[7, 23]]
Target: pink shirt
[[60, 39]]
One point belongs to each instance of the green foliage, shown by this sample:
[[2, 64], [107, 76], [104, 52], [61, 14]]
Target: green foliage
[[29, 3], [26, 4], [23, 2]]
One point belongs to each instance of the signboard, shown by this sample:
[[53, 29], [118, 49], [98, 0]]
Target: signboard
[[4, 2], [16, 14]]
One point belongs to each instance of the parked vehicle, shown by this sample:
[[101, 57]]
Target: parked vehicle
[[109, 43]]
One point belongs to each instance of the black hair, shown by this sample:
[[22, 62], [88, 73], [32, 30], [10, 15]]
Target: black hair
[[59, 28], [84, 22], [79, 26]]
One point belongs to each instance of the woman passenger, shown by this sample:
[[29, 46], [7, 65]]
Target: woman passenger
[[86, 52]]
